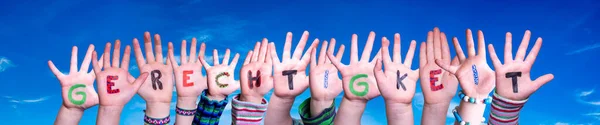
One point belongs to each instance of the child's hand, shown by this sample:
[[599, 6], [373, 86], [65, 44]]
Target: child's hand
[[189, 80], [397, 82], [325, 84], [158, 88], [438, 86], [221, 76], [289, 76], [255, 75]]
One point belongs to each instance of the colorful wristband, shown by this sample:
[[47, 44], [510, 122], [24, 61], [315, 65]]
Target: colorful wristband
[[156, 121], [185, 112], [324, 118], [505, 111], [247, 113], [460, 120], [209, 111], [472, 100]]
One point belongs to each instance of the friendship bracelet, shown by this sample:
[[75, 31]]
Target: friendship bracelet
[[473, 100], [156, 121], [185, 112], [460, 120]]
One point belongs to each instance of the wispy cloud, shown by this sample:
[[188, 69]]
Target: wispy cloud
[[5, 63], [582, 95], [15, 100], [583, 49]]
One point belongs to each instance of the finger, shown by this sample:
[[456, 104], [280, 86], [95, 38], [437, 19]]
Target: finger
[[306, 57], [336, 62], [268, 56], [192, 51], [378, 69], [470, 44], [534, 51], [97, 68], [263, 50], [378, 55], [107, 55], [202, 54], [126, 57], [183, 55], [100, 61], [397, 49], [437, 46], [73, 60], [55, 70], [481, 43], [246, 60], [158, 50], [340, 52], [508, 49], [148, 46], [366, 55], [445, 49], [455, 61], [540, 81], [202, 59], [446, 66], [226, 57], [85, 65], [139, 58], [523, 47], [422, 55], [313, 58], [233, 63], [410, 54], [138, 82], [116, 54], [215, 57], [256, 51], [322, 52], [273, 52], [287, 47], [354, 49], [495, 61], [169, 62], [300, 46], [331, 47], [385, 44], [430, 56], [459, 51], [171, 56]]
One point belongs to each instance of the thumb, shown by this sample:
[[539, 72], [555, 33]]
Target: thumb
[[138, 82], [378, 69], [540, 81], [445, 66]]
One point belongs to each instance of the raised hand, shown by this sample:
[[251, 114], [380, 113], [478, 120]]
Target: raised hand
[[189, 80], [513, 77], [438, 85], [289, 75], [115, 85], [255, 75], [397, 81], [157, 90], [325, 84], [475, 76], [78, 86], [358, 77], [221, 76]]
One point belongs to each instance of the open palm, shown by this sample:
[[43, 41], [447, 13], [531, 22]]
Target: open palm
[[324, 81], [221, 76], [358, 77], [476, 78], [158, 87], [255, 75], [438, 86], [189, 80], [519, 68], [294, 66], [78, 86], [397, 82]]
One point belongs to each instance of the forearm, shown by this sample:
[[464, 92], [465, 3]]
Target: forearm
[[399, 113], [157, 109], [350, 112], [324, 117], [505, 111], [317, 106], [186, 103], [469, 112], [109, 115], [247, 113], [434, 114], [210, 108], [278, 112], [68, 116]]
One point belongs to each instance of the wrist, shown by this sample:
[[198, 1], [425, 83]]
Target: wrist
[[72, 111], [187, 102], [157, 109], [253, 99], [217, 97], [472, 113], [398, 108], [317, 106], [109, 115]]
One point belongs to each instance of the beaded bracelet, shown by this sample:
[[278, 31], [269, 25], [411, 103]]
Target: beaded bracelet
[[185, 112], [472, 100], [155, 121], [459, 119]]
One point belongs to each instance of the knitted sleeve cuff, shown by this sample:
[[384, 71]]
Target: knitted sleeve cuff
[[505, 111], [324, 118], [209, 111], [247, 113]]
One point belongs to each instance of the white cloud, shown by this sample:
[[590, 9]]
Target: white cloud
[[5, 63], [586, 93], [561, 123], [418, 100], [8, 97], [14, 100], [584, 48], [583, 94]]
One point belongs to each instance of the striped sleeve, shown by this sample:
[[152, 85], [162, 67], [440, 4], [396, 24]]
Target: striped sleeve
[[324, 118], [247, 113], [209, 111], [505, 111]]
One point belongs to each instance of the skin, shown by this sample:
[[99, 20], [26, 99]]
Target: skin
[[157, 101], [519, 64], [472, 112], [397, 101], [321, 97], [69, 112], [353, 106], [111, 105], [214, 91], [256, 60], [187, 96], [436, 102], [283, 99]]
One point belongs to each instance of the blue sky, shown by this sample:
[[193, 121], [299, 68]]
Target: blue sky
[[33, 32]]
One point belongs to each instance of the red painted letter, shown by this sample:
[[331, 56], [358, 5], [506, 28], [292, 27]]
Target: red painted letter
[[110, 84], [186, 77], [433, 79]]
